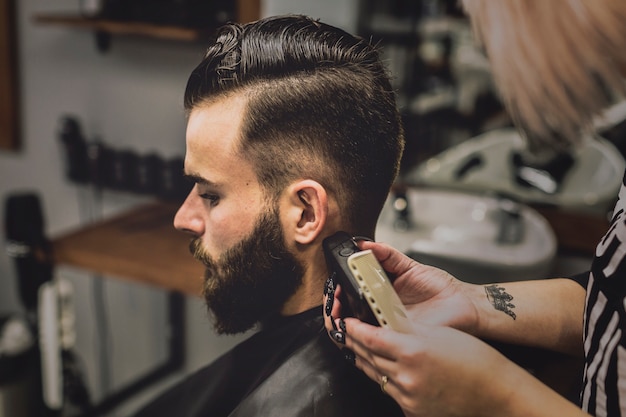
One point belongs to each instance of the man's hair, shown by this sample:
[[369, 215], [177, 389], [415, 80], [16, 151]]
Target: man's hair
[[320, 106], [557, 63]]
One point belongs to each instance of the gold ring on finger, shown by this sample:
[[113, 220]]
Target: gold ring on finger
[[383, 383]]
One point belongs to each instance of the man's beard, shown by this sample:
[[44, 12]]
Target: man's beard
[[252, 279]]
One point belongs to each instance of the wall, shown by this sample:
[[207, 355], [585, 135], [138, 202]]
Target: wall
[[129, 97], [341, 13]]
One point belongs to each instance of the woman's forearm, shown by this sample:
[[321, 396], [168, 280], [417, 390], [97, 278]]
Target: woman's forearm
[[542, 313]]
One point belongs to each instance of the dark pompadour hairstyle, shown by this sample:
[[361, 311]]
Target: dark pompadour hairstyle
[[320, 106]]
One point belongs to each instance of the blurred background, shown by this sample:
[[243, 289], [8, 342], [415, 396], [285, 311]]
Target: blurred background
[[99, 306]]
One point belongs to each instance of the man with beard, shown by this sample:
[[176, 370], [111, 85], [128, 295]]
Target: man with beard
[[292, 135]]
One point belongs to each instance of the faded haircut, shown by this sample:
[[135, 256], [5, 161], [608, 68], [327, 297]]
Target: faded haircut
[[320, 106], [557, 63]]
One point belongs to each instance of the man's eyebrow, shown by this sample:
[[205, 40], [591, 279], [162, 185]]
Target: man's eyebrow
[[198, 179]]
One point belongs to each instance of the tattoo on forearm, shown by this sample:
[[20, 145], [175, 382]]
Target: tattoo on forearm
[[500, 299]]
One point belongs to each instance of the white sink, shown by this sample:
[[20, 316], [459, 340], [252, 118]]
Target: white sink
[[590, 185], [462, 233]]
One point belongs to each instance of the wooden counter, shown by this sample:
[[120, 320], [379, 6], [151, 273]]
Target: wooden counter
[[141, 245], [575, 231]]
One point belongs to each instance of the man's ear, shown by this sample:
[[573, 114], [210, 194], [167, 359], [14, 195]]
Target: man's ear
[[307, 210]]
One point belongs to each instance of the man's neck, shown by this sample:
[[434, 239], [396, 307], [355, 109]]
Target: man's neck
[[309, 295]]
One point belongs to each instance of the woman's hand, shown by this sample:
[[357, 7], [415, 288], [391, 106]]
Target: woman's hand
[[430, 295], [445, 372], [541, 313]]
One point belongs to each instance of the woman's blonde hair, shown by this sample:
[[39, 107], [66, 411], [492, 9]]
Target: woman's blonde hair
[[557, 63]]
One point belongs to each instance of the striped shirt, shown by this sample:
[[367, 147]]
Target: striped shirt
[[604, 385]]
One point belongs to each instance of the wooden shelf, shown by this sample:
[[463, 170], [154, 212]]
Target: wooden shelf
[[246, 11], [124, 28], [141, 245]]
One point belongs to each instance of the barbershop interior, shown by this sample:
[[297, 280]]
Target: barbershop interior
[[100, 305]]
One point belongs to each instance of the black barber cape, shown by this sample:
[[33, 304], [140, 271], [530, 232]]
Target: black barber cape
[[288, 369]]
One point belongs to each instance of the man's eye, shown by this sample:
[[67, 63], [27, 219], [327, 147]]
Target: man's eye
[[212, 198]]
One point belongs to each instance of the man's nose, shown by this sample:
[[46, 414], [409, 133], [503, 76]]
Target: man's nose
[[188, 218]]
